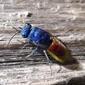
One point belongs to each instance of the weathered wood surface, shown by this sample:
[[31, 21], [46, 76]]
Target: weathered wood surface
[[64, 19]]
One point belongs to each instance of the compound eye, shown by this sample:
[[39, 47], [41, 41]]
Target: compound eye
[[23, 36]]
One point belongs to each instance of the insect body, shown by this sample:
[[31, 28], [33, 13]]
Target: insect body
[[44, 40]]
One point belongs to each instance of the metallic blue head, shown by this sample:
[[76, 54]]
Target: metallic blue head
[[26, 30]]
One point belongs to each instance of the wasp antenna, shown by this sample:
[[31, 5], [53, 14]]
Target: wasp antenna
[[12, 38], [17, 29]]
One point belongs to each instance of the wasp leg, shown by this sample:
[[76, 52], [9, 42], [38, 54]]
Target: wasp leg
[[26, 43], [23, 48], [48, 60], [32, 53], [27, 40]]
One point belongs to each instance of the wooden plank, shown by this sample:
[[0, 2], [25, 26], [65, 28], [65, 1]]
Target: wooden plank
[[63, 19], [13, 63]]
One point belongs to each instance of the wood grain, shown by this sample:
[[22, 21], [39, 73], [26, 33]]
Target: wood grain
[[64, 19]]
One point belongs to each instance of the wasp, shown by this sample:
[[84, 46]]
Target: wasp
[[45, 41]]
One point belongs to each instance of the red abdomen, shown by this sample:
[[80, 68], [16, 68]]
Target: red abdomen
[[58, 50]]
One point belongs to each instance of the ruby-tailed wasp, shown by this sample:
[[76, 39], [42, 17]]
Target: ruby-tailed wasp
[[45, 41]]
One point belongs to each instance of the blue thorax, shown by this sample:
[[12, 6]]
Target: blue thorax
[[38, 35]]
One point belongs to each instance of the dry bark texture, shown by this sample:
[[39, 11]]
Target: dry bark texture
[[64, 19]]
